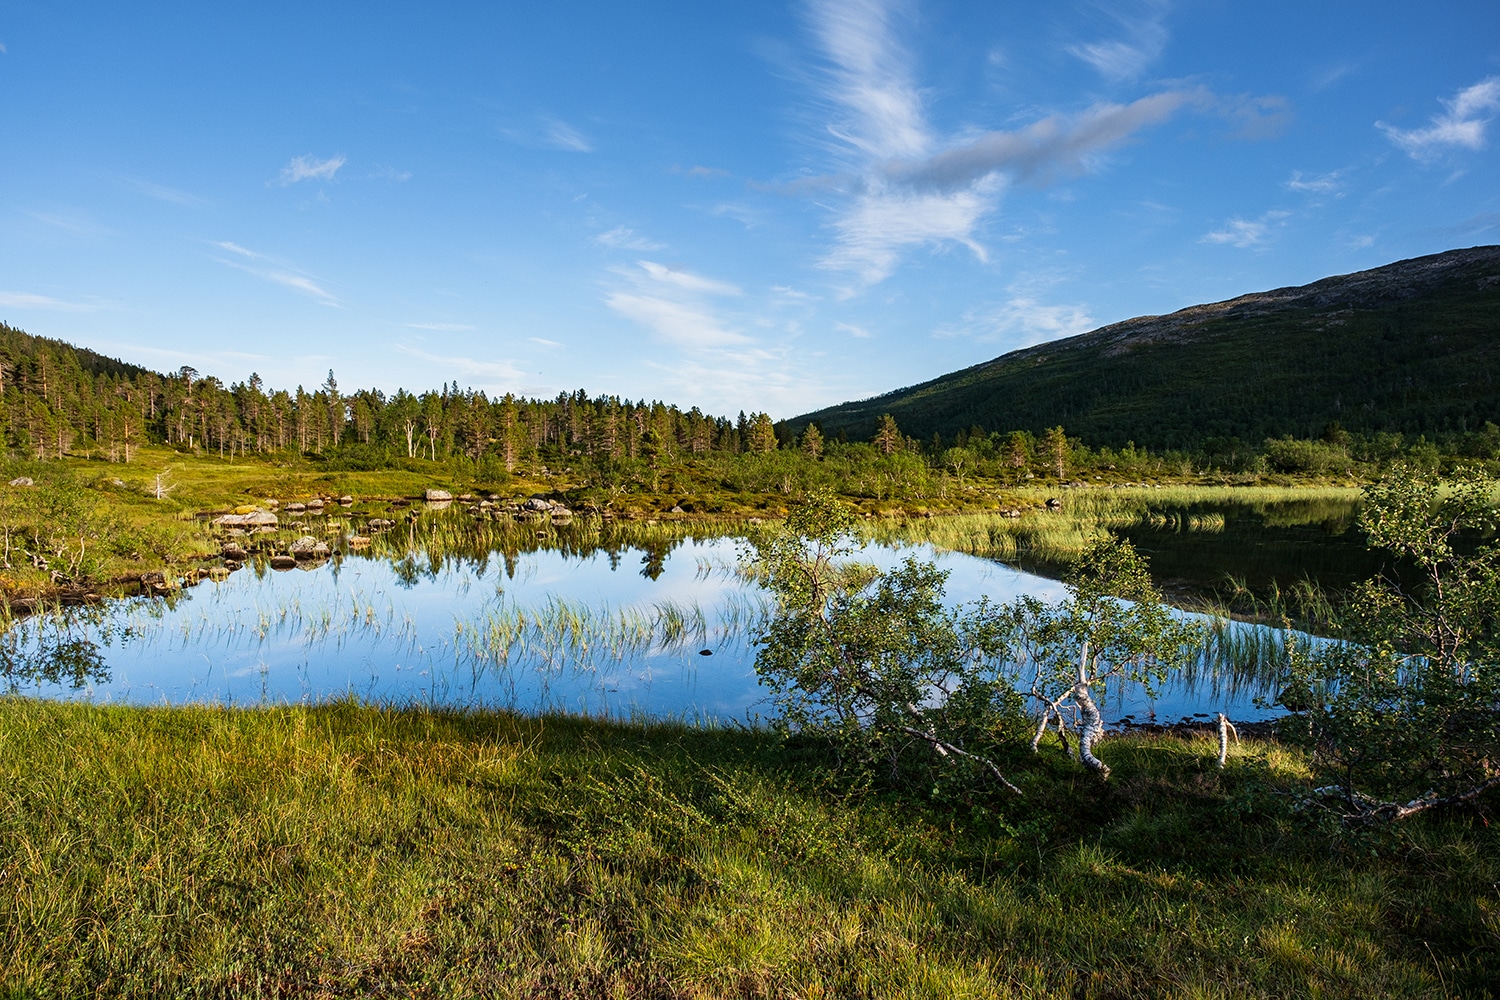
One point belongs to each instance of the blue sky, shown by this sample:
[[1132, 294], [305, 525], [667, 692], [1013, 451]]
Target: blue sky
[[735, 206]]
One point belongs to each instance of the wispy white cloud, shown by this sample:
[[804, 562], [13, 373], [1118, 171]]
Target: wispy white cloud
[[853, 331], [687, 281], [788, 294], [1141, 39], [1331, 75], [275, 271], [543, 132], [745, 215], [621, 238], [561, 135], [1461, 126], [544, 342], [902, 186], [1021, 322], [440, 327], [28, 300], [503, 370], [1331, 183], [884, 221], [871, 79], [161, 192], [676, 305], [677, 322], [308, 168], [748, 378], [74, 224], [1247, 233], [385, 173], [707, 172], [236, 248], [1254, 118]]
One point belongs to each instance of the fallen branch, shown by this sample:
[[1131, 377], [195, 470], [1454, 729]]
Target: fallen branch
[[945, 749], [1368, 809]]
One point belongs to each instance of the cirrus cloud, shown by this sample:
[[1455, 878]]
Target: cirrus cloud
[[1461, 126], [308, 168]]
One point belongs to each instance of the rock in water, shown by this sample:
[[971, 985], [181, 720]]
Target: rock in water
[[257, 518], [437, 495], [308, 547]]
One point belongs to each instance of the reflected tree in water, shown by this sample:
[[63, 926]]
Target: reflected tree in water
[[49, 649]]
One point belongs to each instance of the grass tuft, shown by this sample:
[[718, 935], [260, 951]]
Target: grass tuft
[[344, 849]]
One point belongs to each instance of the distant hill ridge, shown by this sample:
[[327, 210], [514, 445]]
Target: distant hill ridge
[[15, 343], [1411, 347]]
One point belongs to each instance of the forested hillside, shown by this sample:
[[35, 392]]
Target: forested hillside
[[1411, 348], [57, 399], [1353, 370]]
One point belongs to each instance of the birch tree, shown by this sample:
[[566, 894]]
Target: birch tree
[[1403, 716], [1113, 629], [874, 662]]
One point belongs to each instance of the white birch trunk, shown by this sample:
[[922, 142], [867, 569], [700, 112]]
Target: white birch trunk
[[1091, 726]]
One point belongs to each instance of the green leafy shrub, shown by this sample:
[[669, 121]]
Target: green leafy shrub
[[1404, 715]]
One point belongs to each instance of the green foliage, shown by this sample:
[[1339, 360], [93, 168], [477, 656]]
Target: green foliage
[[57, 526], [1113, 628], [874, 662], [1405, 713]]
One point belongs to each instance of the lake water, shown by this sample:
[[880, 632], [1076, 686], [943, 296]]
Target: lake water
[[532, 620]]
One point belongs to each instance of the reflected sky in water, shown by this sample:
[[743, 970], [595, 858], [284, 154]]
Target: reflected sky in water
[[365, 628]]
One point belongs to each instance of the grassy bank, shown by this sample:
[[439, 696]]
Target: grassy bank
[[351, 851], [84, 523]]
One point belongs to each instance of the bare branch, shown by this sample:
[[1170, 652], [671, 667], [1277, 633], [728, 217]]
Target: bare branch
[[1367, 809], [945, 749]]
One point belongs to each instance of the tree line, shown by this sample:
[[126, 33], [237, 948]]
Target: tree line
[[57, 399]]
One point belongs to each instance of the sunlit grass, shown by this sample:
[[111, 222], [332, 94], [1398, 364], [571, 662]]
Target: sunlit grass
[[347, 850]]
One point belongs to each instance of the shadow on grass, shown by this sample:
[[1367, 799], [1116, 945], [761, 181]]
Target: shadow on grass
[[352, 850]]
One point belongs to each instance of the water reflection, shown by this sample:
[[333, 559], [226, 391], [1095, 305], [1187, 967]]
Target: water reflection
[[529, 617], [55, 650]]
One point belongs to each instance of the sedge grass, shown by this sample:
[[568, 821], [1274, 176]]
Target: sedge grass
[[345, 850]]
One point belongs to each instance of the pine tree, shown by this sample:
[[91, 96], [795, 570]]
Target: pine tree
[[887, 435], [812, 442]]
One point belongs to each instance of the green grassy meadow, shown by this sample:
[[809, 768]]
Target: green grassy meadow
[[345, 850]]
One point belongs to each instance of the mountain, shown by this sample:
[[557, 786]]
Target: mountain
[[1411, 347]]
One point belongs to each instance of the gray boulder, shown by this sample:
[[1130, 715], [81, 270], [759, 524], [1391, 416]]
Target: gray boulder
[[254, 519], [308, 547], [437, 495]]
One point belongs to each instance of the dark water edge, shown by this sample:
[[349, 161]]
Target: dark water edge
[[1248, 553]]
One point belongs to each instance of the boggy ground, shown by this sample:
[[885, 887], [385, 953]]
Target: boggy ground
[[346, 850], [86, 528]]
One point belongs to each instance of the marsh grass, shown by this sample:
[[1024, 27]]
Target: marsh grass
[[1087, 515], [345, 850]]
